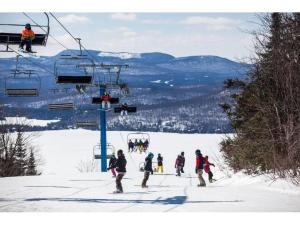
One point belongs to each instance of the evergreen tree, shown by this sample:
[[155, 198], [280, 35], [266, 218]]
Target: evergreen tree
[[20, 155], [31, 166]]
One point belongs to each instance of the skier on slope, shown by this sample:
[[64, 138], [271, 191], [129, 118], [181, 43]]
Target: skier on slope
[[112, 165], [147, 169], [179, 164], [199, 167], [207, 165], [160, 167], [121, 170], [27, 36]]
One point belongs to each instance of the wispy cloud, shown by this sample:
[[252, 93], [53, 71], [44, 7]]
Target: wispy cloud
[[157, 21], [123, 16], [74, 19], [215, 23]]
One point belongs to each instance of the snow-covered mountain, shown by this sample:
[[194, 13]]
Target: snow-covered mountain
[[165, 88]]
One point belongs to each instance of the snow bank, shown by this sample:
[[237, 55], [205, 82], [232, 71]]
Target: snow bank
[[121, 55], [31, 122]]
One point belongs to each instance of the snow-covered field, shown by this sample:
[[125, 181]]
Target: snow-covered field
[[62, 187]]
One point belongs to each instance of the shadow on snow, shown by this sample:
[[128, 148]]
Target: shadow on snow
[[176, 200]]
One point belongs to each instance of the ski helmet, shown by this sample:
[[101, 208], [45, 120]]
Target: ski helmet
[[151, 155], [120, 152], [198, 152], [27, 26], [182, 153]]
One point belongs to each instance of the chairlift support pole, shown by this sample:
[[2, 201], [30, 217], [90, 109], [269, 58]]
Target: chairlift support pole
[[103, 150]]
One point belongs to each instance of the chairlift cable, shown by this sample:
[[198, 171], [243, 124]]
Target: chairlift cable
[[37, 64], [75, 39]]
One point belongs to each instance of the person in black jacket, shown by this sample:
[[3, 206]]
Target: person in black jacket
[[147, 169], [183, 161], [121, 170], [199, 167], [160, 167]]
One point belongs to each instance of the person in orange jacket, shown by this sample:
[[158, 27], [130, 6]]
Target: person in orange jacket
[[27, 36]]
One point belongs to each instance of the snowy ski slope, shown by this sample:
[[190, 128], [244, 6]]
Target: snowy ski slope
[[62, 187]]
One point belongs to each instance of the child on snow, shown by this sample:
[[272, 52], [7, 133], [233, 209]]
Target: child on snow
[[207, 165], [147, 169], [112, 165], [160, 167]]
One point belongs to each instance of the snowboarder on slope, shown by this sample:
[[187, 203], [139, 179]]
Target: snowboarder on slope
[[160, 167], [121, 169], [207, 165], [183, 163], [27, 36], [147, 169], [112, 165], [178, 165], [199, 167]]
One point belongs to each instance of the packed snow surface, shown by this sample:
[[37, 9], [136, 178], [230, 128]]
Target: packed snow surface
[[61, 187]]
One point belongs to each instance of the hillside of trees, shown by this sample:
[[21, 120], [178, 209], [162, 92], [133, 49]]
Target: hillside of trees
[[264, 110]]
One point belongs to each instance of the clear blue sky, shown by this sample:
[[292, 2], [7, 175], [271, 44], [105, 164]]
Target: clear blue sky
[[179, 34]]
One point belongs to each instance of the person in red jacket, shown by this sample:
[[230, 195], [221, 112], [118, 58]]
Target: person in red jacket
[[207, 165], [105, 100], [199, 167], [179, 164], [27, 36]]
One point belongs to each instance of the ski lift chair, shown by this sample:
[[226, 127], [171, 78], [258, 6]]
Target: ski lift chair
[[98, 100], [74, 70], [130, 109], [139, 136], [15, 38], [86, 124], [61, 106], [22, 83], [110, 151]]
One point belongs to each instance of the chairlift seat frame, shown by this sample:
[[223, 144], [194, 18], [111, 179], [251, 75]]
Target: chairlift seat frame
[[17, 75], [61, 106], [98, 100], [110, 147], [10, 38], [130, 109], [145, 136], [15, 92], [86, 124]]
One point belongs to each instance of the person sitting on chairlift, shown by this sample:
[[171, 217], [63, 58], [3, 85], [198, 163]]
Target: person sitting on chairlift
[[26, 38], [124, 109], [141, 145], [130, 146], [136, 144], [106, 100], [146, 144]]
